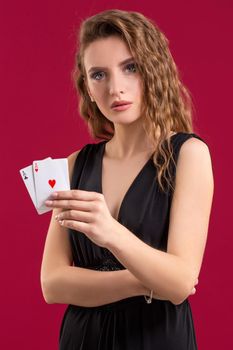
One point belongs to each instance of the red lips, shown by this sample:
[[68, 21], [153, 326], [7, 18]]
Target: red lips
[[120, 103]]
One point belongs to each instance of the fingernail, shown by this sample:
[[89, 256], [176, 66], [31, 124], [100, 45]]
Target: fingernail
[[60, 222], [54, 194], [48, 202]]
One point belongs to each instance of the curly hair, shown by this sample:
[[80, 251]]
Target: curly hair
[[166, 103]]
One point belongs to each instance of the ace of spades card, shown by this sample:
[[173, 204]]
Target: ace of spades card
[[44, 177]]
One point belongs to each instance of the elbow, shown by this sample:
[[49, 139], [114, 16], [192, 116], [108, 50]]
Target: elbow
[[46, 292], [184, 286], [52, 289], [48, 284], [183, 292], [177, 300]]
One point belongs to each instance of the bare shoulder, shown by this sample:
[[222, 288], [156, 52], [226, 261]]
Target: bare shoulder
[[194, 146], [194, 153], [71, 161], [72, 157], [195, 159]]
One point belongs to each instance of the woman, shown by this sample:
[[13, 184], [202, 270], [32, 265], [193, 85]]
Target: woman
[[125, 245]]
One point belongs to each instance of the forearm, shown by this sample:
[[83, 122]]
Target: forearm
[[165, 273], [85, 287]]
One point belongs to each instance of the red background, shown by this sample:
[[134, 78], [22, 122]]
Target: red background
[[39, 119]]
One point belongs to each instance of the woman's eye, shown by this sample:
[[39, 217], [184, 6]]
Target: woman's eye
[[97, 75], [131, 67]]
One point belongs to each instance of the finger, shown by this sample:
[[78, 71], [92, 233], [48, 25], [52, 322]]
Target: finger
[[67, 204], [76, 194], [71, 204], [77, 215], [75, 225]]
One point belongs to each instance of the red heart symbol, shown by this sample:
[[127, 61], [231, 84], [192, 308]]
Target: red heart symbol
[[52, 183]]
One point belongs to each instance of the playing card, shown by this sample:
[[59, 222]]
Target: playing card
[[44, 177], [49, 176], [27, 176]]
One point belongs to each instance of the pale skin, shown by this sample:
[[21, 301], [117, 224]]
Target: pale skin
[[172, 274]]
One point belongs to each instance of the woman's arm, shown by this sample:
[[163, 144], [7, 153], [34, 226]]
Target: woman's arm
[[172, 273], [63, 283], [85, 287]]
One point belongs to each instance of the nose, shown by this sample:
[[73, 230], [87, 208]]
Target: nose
[[115, 85]]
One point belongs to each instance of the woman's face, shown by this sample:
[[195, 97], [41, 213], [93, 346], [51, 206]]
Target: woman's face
[[111, 75]]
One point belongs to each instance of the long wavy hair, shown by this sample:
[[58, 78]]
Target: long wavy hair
[[166, 103]]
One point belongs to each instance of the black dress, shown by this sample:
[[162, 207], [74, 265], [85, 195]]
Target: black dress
[[131, 323]]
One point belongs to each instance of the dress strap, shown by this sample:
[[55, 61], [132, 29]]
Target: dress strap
[[79, 165]]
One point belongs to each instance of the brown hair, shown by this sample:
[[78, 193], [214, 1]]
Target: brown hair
[[166, 102]]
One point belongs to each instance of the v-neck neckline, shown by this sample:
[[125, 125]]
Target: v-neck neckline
[[131, 186]]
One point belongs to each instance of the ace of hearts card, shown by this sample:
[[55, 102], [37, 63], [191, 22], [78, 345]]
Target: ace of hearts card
[[44, 177]]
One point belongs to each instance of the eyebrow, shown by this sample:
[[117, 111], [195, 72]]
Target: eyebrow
[[120, 64]]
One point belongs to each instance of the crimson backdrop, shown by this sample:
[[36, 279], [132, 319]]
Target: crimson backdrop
[[39, 118]]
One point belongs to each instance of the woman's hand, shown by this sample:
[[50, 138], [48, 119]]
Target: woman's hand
[[84, 211]]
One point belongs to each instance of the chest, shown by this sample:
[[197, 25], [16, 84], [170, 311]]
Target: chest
[[118, 178]]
